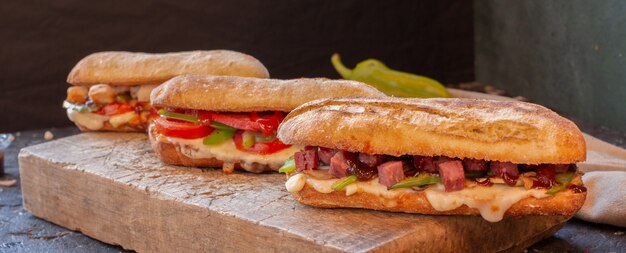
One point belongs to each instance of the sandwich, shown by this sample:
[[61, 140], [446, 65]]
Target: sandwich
[[434, 156], [111, 90], [231, 122]]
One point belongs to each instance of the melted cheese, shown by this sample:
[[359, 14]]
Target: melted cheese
[[88, 120], [491, 201], [227, 152]]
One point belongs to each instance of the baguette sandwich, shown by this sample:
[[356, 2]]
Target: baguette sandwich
[[231, 122], [435, 156], [111, 90]]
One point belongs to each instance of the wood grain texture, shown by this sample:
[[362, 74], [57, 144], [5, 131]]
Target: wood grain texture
[[111, 187]]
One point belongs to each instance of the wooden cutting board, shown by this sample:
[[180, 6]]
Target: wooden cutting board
[[111, 187]]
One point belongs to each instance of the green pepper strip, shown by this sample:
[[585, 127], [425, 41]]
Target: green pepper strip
[[289, 166], [248, 139], [563, 179], [217, 125], [218, 136], [79, 108], [416, 181], [339, 185], [179, 116], [389, 81]]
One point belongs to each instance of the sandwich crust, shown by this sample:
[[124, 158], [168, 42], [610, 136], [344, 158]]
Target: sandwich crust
[[129, 68], [242, 94], [509, 131], [564, 203]]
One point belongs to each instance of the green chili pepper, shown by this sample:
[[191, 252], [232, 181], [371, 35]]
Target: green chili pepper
[[248, 139], [79, 108], [289, 166], [389, 81], [420, 180], [218, 136], [339, 185], [217, 125], [178, 116], [563, 179]]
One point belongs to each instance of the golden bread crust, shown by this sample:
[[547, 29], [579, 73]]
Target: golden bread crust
[[129, 68], [243, 94], [564, 203], [509, 131]]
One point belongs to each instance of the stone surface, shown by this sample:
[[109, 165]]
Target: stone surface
[[111, 187]]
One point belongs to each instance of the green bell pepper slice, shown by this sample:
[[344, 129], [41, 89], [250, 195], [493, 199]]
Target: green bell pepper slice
[[389, 81], [179, 116], [289, 166], [217, 125], [339, 185], [420, 180], [564, 179], [248, 139], [218, 136]]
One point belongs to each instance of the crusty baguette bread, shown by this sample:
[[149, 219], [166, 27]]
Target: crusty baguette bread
[[564, 203], [128, 68], [509, 131], [170, 154], [242, 94]]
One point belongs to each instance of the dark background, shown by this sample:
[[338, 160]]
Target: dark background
[[569, 55], [40, 41]]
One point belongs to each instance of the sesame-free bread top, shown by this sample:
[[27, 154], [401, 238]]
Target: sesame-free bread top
[[244, 94], [129, 68], [508, 131]]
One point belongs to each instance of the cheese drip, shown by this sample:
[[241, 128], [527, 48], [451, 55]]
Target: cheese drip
[[227, 152], [89, 120], [491, 201]]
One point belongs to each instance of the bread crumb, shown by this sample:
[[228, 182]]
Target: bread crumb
[[48, 135]]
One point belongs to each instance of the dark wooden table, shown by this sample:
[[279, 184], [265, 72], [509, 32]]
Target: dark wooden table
[[22, 232]]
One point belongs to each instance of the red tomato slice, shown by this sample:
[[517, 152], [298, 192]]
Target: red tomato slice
[[267, 123], [259, 148], [114, 109], [181, 129]]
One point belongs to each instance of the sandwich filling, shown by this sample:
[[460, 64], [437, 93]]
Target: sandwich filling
[[248, 139], [110, 107], [492, 187]]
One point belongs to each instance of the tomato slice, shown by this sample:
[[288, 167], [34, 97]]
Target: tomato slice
[[115, 108], [261, 148], [264, 122], [181, 129]]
